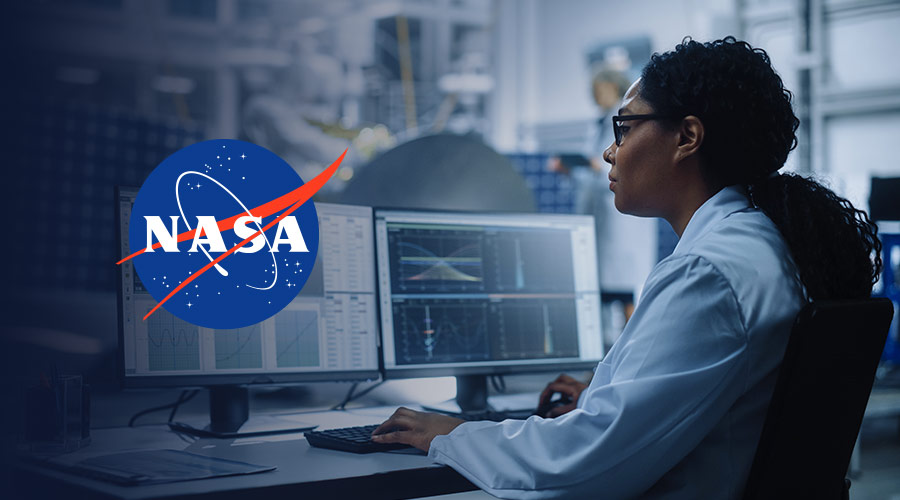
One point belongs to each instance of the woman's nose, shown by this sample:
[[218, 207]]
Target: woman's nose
[[609, 154]]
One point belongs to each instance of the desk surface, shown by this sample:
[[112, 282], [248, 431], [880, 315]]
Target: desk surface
[[301, 469]]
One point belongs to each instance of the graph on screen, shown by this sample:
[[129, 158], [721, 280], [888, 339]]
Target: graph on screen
[[534, 328], [456, 330], [477, 293], [428, 260], [297, 338], [329, 330], [525, 261], [173, 344], [442, 331], [239, 348]]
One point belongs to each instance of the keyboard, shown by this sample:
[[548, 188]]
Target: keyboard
[[352, 439], [359, 439]]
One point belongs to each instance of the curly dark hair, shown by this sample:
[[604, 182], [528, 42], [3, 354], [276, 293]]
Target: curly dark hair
[[750, 127]]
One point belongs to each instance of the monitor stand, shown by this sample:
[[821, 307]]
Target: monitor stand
[[229, 417], [471, 396]]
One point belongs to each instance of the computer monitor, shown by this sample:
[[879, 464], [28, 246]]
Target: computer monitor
[[327, 333], [476, 294]]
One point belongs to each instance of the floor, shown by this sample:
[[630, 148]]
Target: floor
[[879, 478]]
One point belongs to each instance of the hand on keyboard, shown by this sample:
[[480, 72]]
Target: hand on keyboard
[[359, 439], [352, 439], [414, 428]]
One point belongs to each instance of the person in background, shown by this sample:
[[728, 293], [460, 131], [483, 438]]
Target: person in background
[[586, 169], [676, 408]]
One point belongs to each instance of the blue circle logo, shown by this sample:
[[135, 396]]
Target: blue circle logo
[[221, 235]]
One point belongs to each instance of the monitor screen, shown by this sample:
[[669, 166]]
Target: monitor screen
[[328, 332], [466, 293]]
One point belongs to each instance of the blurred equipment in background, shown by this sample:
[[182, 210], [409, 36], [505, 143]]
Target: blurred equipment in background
[[69, 157], [553, 193], [296, 113], [446, 172]]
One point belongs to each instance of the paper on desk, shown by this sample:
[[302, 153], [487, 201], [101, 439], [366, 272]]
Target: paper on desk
[[160, 466]]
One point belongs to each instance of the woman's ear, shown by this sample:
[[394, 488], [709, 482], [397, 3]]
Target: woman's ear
[[690, 137]]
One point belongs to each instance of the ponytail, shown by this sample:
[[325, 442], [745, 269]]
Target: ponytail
[[834, 245]]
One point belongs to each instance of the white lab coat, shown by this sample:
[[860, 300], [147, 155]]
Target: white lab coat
[[676, 408]]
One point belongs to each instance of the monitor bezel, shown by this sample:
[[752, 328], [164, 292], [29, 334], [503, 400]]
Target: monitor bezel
[[206, 380], [517, 369], [421, 371]]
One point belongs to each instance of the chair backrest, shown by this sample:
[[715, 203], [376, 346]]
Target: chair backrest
[[819, 400]]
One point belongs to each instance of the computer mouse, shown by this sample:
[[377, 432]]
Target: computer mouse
[[545, 408]]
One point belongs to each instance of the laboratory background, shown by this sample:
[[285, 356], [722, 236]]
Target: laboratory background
[[482, 106]]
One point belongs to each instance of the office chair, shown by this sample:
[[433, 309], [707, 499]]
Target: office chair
[[819, 400]]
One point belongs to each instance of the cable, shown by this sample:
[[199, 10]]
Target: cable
[[350, 396], [498, 383], [182, 398], [347, 398], [181, 401]]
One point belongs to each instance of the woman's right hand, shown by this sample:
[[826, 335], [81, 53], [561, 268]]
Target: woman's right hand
[[570, 389]]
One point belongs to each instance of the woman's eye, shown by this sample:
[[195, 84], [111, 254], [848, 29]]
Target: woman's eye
[[624, 129]]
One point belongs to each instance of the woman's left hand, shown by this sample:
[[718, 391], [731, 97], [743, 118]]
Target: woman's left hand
[[414, 428]]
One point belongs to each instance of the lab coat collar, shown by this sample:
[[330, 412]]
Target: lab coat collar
[[729, 200]]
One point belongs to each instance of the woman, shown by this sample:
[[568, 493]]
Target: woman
[[676, 408]]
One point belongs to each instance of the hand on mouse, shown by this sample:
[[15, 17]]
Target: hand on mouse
[[569, 388]]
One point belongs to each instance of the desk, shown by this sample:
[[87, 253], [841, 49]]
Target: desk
[[303, 471]]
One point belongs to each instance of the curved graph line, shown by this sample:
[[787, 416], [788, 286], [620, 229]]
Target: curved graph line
[[471, 336], [174, 339], [300, 332], [172, 344], [441, 268], [429, 252], [240, 348]]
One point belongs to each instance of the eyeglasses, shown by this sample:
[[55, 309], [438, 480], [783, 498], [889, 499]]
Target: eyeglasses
[[617, 126]]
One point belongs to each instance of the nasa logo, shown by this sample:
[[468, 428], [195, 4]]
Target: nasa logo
[[237, 210]]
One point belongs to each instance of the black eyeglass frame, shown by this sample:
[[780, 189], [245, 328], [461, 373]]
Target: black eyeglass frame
[[617, 130]]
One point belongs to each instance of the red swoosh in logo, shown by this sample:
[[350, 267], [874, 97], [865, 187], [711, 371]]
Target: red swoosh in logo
[[292, 200]]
